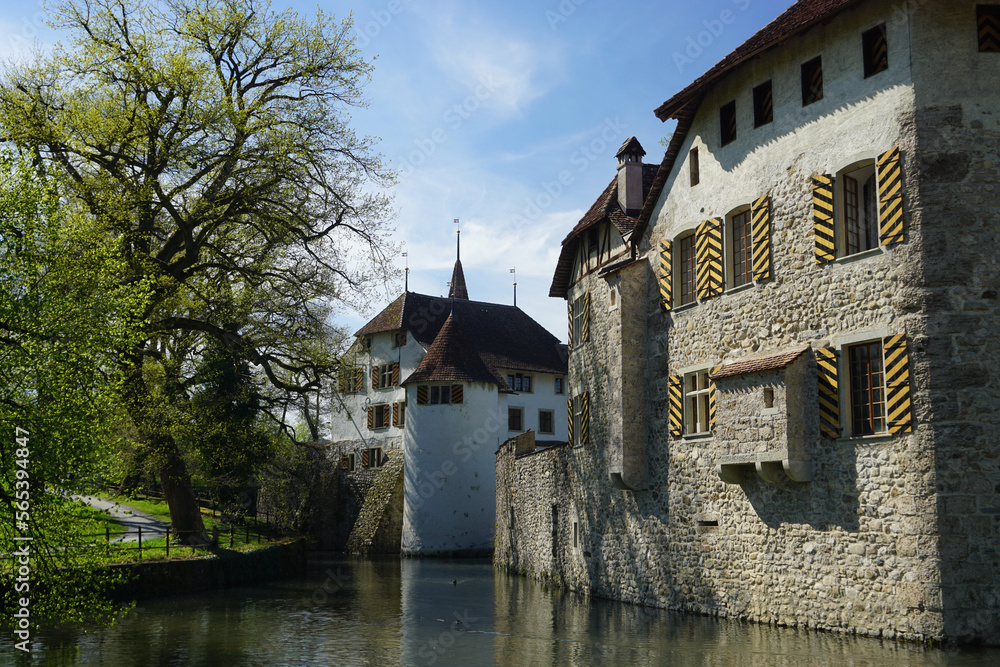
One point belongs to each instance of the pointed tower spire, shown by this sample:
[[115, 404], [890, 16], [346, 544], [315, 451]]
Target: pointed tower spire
[[458, 289]]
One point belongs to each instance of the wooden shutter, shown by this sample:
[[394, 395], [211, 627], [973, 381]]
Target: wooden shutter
[[569, 309], [395, 374], [826, 249], [988, 24], [897, 385], [569, 421], [890, 197], [457, 393], [371, 416], [829, 392], [760, 230], [366, 458], [395, 414], [711, 400], [585, 330], [374, 376], [345, 463], [585, 417], [666, 287], [708, 257], [421, 394], [676, 416], [359, 379]]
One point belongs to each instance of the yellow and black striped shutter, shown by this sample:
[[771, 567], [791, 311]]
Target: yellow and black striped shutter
[[371, 416], [366, 458], [711, 401], [374, 376], [569, 420], [890, 197], [899, 413], [359, 379], [760, 230], [457, 393], [345, 463], [826, 249], [666, 288], [395, 374], [829, 392], [395, 414], [421, 394], [585, 335], [569, 310], [676, 416], [708, 253], [585, 417], [988, 24]]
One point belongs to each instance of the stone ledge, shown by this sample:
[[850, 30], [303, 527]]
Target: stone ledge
[[772, 467]]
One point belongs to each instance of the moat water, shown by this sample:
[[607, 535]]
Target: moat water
[[421, 612]]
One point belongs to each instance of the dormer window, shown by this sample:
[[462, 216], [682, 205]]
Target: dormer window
[[435, 394], [399, 339], [519, 382]]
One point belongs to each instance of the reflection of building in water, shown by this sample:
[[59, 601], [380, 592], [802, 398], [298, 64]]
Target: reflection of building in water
[[784, 382]]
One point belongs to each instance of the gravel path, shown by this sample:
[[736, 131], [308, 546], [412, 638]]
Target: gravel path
[[129, 517]]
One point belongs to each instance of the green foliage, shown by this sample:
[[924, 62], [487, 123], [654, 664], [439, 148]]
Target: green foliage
[[63, 312]]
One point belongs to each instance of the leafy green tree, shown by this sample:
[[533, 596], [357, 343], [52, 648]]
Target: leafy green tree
[[214, 138], [63, 313]]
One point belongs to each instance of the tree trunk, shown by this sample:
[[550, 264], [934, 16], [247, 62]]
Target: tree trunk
[[185, 514]]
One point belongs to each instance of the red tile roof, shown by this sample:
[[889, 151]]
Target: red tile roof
[[759, 365], [796, 19], [458, 290], [504, 337], [453, 356]]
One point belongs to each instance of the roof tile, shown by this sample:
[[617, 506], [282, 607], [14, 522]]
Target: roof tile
[[758, 365]]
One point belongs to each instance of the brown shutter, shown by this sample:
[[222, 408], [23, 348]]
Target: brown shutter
[[345, 463], [829, 392], [569, 309], [371, 416], [585, 417], [395, 374], [359, 379], [374, 376], [826, 249], [676, 415], [421, 394], [708, 257], [366, 458], [586, 318], [711, 400], [760, 230], [395, 414], [666, 287], [890, 197], [897, 385], [456, 393]]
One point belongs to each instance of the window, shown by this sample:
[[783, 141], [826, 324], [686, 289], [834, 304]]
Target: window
[[378, 416], [697, 402], [545, 422], [373, 457], [867, 388], [875, 50], [385, 375], [399, 339], [519, 382], [439, 394], [580, 320], [686, 272], [763, 104], [559, 385], [812, 81], [399, 414], [352, 462], [350, 379], [693, 166], [988, 24], [727, 122], [515, 419], [613, 289], [740, 248], [579, 419], [860, 215]]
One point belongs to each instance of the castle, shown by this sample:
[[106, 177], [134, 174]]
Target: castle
[[438, 383], [790, 365]]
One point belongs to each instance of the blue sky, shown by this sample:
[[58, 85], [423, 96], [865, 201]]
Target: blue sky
[[507, 116]]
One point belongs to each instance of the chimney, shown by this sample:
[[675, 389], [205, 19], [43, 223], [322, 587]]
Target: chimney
[[630, 177]]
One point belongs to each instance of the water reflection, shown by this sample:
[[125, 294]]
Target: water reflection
[[429, 612]]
